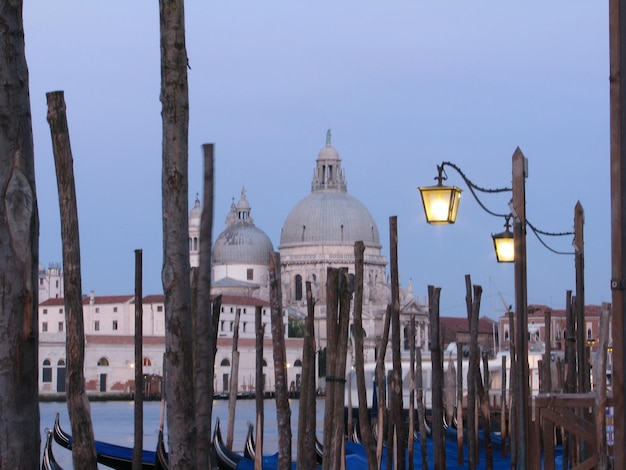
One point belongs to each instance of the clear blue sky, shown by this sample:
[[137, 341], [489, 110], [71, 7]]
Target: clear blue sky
[[403, 85]]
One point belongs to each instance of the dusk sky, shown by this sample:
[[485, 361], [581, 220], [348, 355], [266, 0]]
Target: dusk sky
[[403, 85]]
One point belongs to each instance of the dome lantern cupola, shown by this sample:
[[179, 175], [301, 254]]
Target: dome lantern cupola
[[328, 175]]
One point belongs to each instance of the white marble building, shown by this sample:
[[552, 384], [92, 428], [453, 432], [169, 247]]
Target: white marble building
[[319, 232]]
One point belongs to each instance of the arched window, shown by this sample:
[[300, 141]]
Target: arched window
[[225, 363], [61, 375], [298, 287], [147, 361], [297, 363], [103, 361], [264, 363], [46, 371]]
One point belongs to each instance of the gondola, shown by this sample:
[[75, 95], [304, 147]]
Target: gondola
[[249, 449], [161, 462], [226, 458], [48, 462], [111, 455]]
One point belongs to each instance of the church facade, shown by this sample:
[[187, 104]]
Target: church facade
[[319, 232]]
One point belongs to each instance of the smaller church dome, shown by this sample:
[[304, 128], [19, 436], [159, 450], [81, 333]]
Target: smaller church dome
[[195, 214], [242, 242]]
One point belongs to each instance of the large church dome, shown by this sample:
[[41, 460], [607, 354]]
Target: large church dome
[[329, 215], [242, 242]]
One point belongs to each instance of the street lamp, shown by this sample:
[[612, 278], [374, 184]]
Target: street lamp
[[441, 203], [518, 208], [510, 247], [504, 243]]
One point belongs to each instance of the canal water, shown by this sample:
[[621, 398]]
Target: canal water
[[113, 422]]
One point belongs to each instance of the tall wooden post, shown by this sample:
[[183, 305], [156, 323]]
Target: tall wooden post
[[283, 412], [306, 419], [439, 438], [258, 388], [396, 389], [206, 319], [521, 308], [138, 445], [83, 446], [234, 382], [617, 56], [584, 384], [364, 424]]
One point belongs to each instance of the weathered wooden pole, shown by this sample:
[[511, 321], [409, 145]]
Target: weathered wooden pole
[[569, 444], [584, 384], [439, 439], [206, 319], [617, 85], [396, 381], [523, 417], [138, 444], [513, 392], [20, 432], [547, 357], [337, 318], [258, 388], [83, 444], [503, 398], [421, 413], [411, 436], [283, 412], [483, 393], [174, 97], [364, 421], [381, 382], [472, 370], [234, 382], [599, 379], [459, 404], [306, 416]]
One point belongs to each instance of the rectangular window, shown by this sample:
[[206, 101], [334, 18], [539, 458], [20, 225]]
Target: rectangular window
[[47, 375], [96, 325], [159, 308], [244, 311], [45, 311], [60, 327], [97, 309], [44, 327], [41, 281], [114, 309], [60, 310], [250, 274], [114, 325]]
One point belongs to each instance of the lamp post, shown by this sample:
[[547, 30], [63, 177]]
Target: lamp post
[[521, 310], [438, 195]]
